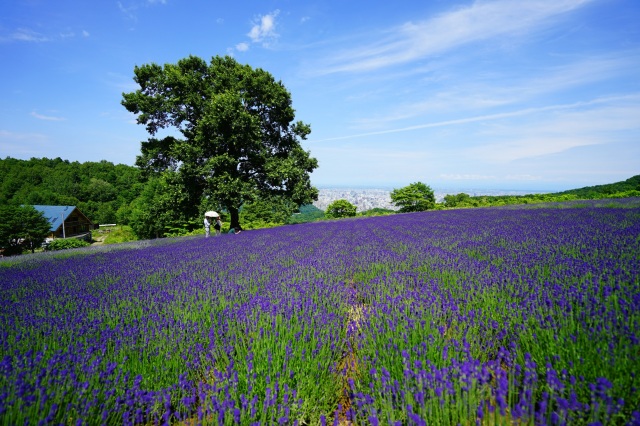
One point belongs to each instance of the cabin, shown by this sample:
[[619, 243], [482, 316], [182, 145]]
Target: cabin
[[66, 222]]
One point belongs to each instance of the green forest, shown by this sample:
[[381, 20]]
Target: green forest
[[102, 190]]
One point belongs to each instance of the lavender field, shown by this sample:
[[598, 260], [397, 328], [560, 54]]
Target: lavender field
[[483, 316]]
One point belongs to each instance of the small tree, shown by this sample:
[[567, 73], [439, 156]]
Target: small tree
[[341, 208], [22, 227], [416, 197]]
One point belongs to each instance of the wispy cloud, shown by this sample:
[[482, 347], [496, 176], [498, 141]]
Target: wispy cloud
[[509, 88], [264, 29], [46, 117], [491, 117], [560, 132], [482, 20], [24, 34], [29, 36], [130, 9]]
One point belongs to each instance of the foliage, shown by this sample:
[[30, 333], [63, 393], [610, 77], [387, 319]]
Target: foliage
[[377, 211], [157, 210], [612, 190], [269, 210], [120, 234], [306, 213], [66, 243], [341, 208], [414, 198], [239, 142], [22, 227], [98, 189]]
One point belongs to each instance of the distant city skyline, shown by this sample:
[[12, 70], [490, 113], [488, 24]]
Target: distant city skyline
[[369, 198]]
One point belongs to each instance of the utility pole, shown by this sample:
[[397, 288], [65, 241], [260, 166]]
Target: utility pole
[[64, 235]]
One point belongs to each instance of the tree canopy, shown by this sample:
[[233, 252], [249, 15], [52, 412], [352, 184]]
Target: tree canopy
[[22, 227], [101, 190], [341, 208], [414, 198], [239, 142]]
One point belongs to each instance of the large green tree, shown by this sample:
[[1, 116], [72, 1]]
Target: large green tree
[[22, 227], [239, 142], [415, 197]]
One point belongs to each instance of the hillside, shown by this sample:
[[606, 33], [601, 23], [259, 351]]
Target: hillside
[[631, 184], [624, 189]]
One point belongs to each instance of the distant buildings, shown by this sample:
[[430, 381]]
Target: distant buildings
[[367, 199], [363, 199]]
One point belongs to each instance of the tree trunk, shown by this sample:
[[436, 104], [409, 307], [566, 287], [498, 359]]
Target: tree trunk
[[235, 217]]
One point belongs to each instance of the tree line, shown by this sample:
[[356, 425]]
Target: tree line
[[101, 190]]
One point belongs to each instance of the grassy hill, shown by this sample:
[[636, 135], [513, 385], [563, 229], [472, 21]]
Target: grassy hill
[[589, 192], [625, 189]]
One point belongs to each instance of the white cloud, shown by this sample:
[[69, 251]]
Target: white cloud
[[242, 47], [85, 33], [46, 117], [480, 21], [24, 34], [264, 29]]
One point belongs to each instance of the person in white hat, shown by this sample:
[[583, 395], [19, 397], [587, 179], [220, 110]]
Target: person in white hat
[[207, 227]]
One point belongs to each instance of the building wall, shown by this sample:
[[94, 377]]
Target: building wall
[[75, 224]]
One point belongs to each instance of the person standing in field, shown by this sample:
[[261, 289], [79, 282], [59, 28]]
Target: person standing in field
[[218, 225], [207, 227]]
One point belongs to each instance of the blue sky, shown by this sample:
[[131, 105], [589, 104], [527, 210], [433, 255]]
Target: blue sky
[[502, 94]]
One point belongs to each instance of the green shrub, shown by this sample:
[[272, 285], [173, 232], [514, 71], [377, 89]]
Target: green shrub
[[63, 244], [122, 235]]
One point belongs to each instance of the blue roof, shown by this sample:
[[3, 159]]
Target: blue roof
[[55, 214]]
